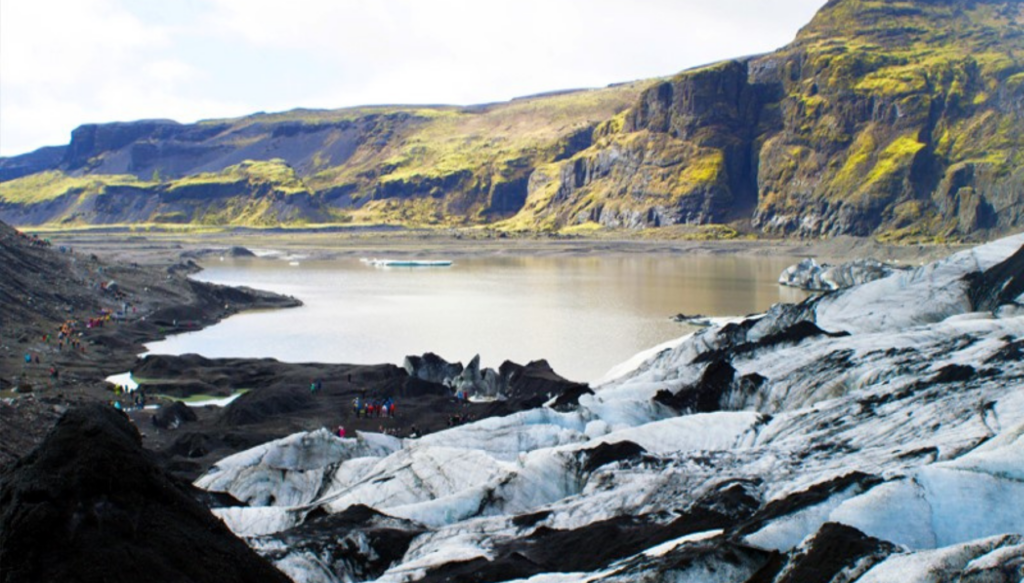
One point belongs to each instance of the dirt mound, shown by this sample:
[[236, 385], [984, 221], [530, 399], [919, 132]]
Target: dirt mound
[[89, 505]]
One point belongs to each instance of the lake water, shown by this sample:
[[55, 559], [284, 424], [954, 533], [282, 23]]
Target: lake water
[[583, 314]]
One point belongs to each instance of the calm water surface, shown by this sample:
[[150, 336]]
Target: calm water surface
[[583, 314]]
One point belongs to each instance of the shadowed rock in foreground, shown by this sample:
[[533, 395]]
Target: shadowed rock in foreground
[[88, 505]]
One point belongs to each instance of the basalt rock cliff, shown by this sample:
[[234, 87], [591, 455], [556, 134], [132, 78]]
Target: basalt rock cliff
[[894, 118]]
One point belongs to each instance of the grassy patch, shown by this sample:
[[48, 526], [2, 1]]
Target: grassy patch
[[586, 228], [276, 173], [44, 186]]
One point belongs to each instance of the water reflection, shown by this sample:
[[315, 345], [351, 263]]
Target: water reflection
[[583, 314]]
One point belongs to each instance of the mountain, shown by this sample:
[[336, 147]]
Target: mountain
[[872, 434], [890, 118], [411, 165], [900, 119]]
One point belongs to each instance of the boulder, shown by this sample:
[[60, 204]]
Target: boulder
[[431, 367]]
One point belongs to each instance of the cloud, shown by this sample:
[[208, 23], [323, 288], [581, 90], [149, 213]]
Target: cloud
[[462, 51], [67, 62]]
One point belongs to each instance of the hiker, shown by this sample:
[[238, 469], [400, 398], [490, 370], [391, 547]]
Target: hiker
[[341, 431], [357, 407]]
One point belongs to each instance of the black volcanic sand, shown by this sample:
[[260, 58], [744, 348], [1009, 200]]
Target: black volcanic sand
[[279, 402], [89, 505]]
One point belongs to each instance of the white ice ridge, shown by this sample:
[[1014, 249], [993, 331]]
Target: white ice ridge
[[908, 427]]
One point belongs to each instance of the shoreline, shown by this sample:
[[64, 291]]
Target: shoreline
[[162, 247]]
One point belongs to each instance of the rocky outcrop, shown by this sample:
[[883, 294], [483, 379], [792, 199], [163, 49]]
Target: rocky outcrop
[[810, 275], [515, 385], [88, 505], [431, 367]]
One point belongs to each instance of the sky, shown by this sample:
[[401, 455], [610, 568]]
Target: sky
[[64, 63]]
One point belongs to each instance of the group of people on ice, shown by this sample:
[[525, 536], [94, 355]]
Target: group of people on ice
[[373, 408]]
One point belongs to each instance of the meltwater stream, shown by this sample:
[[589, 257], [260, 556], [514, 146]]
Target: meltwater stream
[[582, 314]]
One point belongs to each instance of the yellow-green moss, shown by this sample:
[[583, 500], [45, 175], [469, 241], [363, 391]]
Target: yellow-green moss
[[483, 142], [856, 162], [895, 157], [893, 81], [276, 173], [44, 186], [588, 227], [701, 171]]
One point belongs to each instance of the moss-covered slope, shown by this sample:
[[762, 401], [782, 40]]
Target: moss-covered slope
[[413, 165]]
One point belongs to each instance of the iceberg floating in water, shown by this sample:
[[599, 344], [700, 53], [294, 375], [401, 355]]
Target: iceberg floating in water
[[407, 262]]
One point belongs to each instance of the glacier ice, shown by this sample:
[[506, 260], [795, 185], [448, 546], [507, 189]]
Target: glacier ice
[[899, 414]]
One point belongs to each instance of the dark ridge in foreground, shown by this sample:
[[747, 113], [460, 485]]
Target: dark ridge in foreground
[[88, 505]]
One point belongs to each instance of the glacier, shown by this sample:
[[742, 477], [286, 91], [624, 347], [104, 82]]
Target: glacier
[[875, 433]]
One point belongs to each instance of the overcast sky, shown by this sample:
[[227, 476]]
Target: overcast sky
[[68, 62]]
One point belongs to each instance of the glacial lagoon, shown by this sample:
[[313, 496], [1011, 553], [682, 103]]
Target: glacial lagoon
[[583, 314]]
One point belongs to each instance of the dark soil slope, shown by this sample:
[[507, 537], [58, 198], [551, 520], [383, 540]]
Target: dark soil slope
[[88, 505]]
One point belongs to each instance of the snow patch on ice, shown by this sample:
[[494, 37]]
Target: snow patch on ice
[[666, 547]]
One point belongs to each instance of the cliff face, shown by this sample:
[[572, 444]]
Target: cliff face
[[901, 119], [898, 117], [892, 118], [682, 154]]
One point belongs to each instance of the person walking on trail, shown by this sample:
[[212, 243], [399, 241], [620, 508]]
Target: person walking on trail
[[341, 431]]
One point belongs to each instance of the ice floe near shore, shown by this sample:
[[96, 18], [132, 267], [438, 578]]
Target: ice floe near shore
[[870, 434]]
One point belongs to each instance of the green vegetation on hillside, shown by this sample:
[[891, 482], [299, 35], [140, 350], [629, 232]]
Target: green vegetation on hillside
[[276, 174], [45, 186]]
